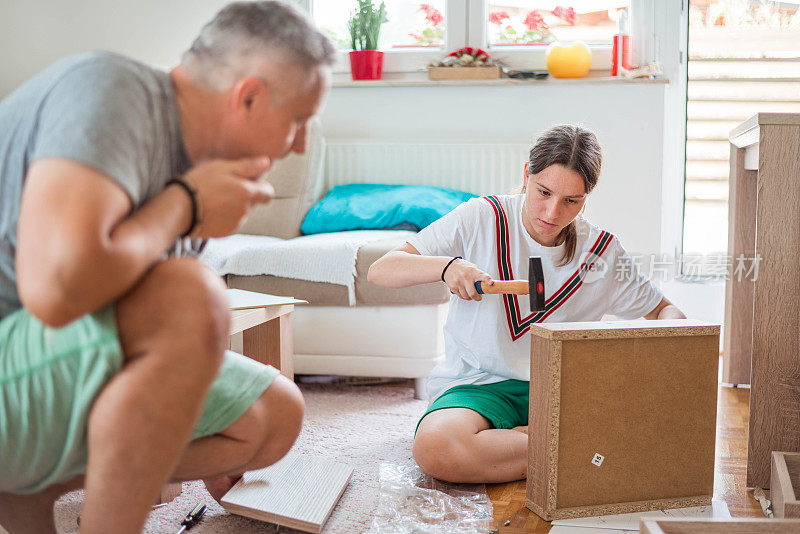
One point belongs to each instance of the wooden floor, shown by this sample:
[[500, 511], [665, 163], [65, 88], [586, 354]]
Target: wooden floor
[[729, 472]]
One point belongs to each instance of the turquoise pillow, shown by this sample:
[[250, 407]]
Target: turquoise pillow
[[380, 206]]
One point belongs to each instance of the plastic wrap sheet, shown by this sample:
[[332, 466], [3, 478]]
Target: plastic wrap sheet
[[413, 502]]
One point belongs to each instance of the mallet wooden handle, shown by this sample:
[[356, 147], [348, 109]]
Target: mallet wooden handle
[[515, 287]]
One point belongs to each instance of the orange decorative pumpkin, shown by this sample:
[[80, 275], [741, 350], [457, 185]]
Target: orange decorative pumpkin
[[568, 60]]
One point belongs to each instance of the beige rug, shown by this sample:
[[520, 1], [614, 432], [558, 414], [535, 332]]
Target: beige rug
[[360, 425]]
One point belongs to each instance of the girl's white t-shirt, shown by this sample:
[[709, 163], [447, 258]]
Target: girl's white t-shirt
[[488, 341]]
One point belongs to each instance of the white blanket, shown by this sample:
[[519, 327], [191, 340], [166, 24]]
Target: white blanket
[[329, 258]]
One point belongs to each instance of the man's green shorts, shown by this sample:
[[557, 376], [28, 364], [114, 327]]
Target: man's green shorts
[[504, 404], [49, 378]]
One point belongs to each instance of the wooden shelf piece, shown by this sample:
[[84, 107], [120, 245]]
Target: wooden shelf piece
[[622, 417]]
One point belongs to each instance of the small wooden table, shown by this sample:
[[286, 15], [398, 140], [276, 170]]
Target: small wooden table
[[267, 335]]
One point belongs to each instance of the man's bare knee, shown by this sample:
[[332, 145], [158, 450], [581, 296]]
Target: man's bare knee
[[281, 408], [181, 302]]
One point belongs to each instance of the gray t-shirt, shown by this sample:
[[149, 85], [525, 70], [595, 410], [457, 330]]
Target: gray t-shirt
[[106, 111]]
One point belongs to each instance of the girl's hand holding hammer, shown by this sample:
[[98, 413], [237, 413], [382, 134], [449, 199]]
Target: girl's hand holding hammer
[[461, 275]]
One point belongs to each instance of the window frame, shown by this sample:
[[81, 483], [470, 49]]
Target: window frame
[[472, 30]]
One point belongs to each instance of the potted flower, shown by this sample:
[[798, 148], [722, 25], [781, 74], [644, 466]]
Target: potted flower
[[366, 62]]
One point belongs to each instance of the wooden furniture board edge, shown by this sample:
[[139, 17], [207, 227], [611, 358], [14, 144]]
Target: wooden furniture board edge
[[555, 422], [782, 495], [540, 490], [257, 307], [626, 329], [738, 315], [742, 135], [630, 507], [719, 525], [241, 320], [244, 511]]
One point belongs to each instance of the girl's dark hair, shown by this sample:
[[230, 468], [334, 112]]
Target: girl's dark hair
[[577, 150]]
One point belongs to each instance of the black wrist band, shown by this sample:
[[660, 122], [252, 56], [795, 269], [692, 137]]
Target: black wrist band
[[193, 198], [448, 265]]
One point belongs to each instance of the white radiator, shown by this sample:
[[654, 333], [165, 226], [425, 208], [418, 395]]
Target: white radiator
[[477, 168]]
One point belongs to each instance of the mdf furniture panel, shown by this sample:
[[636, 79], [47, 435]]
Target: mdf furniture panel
[[719, 526], [765, 159], [622, 416], [785, 484]]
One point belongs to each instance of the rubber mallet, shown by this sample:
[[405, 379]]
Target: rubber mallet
[[533, 286]]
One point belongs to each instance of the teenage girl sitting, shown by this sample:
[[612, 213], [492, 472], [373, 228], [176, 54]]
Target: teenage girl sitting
[[475, 427]]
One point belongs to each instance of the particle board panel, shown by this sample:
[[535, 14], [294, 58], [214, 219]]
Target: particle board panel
[[775, 385], [723, 526], [298, 491], [738, 339], [622, 417], [543, 423], [624, 329], [785, 484]]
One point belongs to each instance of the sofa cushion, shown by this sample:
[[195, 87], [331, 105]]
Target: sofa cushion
[[378, 206], [297, 176], [367, 294]]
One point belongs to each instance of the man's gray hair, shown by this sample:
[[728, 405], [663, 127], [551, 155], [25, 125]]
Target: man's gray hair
[[244, 32]]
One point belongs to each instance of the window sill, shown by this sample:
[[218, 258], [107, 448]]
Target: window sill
[[420, 79]]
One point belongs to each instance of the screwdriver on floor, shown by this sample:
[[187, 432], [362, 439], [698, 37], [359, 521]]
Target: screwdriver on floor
[[193, 517]]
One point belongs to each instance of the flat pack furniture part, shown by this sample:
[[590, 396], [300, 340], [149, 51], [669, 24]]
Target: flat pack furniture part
[[298, 491], [622, 416], [762, 319], [719, 526], [785, 485]]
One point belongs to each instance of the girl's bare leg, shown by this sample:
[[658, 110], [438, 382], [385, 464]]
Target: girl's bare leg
[[459, 445]]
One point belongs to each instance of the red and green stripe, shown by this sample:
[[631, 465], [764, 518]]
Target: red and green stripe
[[518, 325]]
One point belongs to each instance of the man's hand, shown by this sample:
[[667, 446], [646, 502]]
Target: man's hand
[[461, 276], [226, 192]]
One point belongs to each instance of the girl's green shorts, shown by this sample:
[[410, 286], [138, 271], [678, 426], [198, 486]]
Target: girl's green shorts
[[504, 404], [49, 378]]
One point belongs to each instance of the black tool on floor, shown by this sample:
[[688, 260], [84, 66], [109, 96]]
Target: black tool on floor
[[533, 286], [193, 517]]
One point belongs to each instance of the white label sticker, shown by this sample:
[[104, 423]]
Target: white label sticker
[[598, 459]]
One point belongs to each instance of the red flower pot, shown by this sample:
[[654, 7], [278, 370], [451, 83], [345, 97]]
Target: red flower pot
[[366, 64]]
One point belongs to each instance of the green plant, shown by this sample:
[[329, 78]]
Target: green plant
[[365, 25]]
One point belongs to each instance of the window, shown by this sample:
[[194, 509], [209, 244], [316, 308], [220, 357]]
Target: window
[[527, 22], [514, 31], [411, 24]]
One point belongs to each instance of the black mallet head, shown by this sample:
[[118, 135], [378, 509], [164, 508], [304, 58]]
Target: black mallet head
[[536, 283]]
